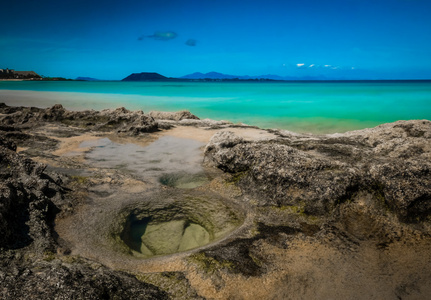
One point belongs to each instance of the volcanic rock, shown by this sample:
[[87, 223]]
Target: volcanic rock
[[30, 197], [391, 162], [120, 120], [174, 116], [309, 216]]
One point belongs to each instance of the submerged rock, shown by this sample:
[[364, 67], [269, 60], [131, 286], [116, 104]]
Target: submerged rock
[[168, 223], [174, 236]]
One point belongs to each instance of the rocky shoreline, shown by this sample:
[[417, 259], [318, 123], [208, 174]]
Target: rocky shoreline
[[285, 215]]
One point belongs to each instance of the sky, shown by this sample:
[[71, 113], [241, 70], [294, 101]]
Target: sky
[[333, 39]]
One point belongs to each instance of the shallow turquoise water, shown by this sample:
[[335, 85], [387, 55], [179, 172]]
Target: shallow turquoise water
[[319, 107]]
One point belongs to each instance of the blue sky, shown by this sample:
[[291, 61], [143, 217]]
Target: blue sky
[[351, 39]]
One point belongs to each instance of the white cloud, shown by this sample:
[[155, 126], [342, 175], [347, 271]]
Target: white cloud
[[319, 67]]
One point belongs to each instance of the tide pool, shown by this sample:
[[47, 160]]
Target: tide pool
[[317, 107]]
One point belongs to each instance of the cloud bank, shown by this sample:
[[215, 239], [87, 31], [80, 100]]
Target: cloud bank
[[167, 36], [160, 36]]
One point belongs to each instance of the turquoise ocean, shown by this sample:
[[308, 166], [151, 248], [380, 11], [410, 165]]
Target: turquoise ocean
[[316, 107]]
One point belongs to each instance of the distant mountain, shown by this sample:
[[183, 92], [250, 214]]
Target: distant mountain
[[87, 79], [145, 76], [216, 75], [210, 75], [268, 76]]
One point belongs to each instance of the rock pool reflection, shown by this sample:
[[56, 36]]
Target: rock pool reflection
[[171, 161]]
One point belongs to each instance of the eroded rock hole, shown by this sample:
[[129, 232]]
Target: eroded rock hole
[[149, 237], [168, 223]]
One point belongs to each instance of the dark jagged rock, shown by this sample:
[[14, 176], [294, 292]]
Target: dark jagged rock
[[6, 143], [323, 215], [26, 205], [391, 162], [280, 175], [120, 119], [79, 279], [357, 193], [174, 116], [29, 200]]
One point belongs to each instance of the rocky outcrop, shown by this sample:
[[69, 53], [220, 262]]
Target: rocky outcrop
[[317, 216], [27, 197], [74, 279], [120, 120], [30, 198], [363, 196], [390, 162], [174, 116]]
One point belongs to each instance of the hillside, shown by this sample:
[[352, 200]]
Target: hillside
[[145, 76]]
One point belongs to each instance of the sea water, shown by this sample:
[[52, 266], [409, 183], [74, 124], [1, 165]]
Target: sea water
[[317, 107]]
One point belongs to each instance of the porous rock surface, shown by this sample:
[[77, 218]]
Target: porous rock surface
[[120, 120], [360, 202], [29, 201], [392, 162], [174, 116], [27, 197], [340, 216]]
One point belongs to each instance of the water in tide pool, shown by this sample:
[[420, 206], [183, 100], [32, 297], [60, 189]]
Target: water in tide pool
[[317, 107]]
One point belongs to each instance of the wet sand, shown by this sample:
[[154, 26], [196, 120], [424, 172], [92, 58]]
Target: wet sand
[[204, 135]]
